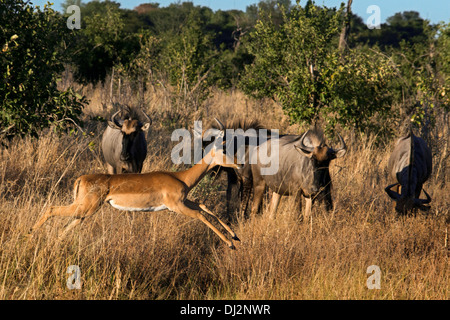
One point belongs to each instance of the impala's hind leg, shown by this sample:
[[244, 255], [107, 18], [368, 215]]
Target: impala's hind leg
[[94, 206], [72, 225], [79, 209], [54, 211]]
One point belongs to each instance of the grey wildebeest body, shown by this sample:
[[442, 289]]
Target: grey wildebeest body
[[124, 145], [409, 166], [303, 171]]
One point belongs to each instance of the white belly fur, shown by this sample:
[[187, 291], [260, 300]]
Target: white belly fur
[[150, 209]]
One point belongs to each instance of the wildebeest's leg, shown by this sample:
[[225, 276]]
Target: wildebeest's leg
[[232, 183], [259, 186], [308, 207], [246, 193], [120, 169], [398, 189], [110, 168], [327, 199], [298, 201], [258, 194], [137, 165], [324, 195], [274, 204]]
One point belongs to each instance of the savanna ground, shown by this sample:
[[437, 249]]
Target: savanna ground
[[168, 256]]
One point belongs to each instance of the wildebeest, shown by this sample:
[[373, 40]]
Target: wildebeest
[[409, 167], [124, 145], [303, 170]]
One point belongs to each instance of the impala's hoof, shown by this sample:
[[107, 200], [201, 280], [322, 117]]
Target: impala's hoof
[[236, 238], [232, 247]]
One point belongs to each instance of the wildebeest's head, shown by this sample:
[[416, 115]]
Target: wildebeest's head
[[312, 145], [130, 126], [406, 200]]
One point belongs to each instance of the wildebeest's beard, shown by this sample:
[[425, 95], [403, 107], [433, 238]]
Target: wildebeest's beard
[[127, 145], [321, 176]]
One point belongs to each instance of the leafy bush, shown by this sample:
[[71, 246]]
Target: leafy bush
[[298, 63], [31, 59]]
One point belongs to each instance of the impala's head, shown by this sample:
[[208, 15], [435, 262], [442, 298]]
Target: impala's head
[[217, 150]]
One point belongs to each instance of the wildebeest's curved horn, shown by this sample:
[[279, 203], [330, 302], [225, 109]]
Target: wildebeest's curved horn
[[343, 148], [343, 145], [418, 202], [221, 126], [115, 122], [394, 195], [302, 146], [149, 120]]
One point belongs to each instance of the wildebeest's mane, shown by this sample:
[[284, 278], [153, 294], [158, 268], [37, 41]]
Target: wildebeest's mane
[[315, 136], [243, 124], [128, 112]]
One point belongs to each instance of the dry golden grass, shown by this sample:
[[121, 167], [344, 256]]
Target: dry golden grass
[[168, 256]]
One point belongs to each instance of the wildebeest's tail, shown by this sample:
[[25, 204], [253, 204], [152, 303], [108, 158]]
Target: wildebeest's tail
[[411, 155]]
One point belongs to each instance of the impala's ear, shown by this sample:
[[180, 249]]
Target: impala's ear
[[221, 126], [210, 134], [198, 131]]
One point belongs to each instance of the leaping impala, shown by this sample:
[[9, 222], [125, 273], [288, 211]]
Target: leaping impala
[[149, 192]]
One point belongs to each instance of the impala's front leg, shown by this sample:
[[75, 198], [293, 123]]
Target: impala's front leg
[[204, 208], [193, 210]]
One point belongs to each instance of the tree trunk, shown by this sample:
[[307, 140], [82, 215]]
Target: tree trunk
[[346, 27]]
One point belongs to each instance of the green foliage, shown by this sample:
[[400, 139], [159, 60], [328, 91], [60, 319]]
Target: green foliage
[[31, 59], [102, 42], [189, 60], [422, 73], [142, 69], [405, 26], [298, 63], [273, 49], [443, 64], [356, 90]]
